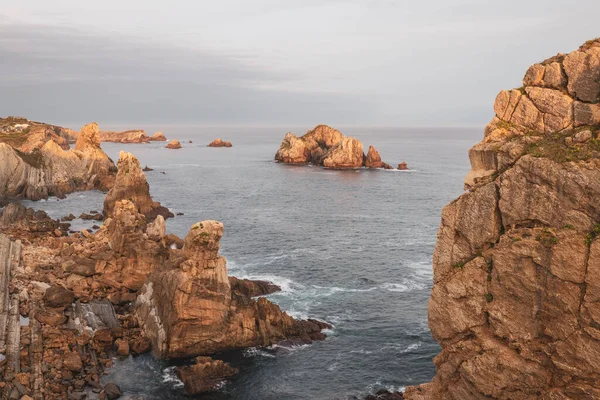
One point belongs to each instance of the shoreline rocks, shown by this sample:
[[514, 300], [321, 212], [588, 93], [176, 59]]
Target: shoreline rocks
[[327, 147], [516, 294], [219, 143]]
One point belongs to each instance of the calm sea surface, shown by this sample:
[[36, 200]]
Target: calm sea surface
[[352, 248]]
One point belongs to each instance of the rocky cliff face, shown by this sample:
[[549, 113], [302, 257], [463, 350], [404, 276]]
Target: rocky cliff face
[[516, 297], [47, 169], [327, 147]]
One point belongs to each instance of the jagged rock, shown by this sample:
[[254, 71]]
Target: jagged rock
[[402, 166], [373, 159], [174, 144], [158, 137], [293, 150], [252, 288], [130, 184], [190, 309], [50, 170], [219, 143], [515, 299], [346, 154], [206, 375], [131, 136], [72, 362], [58, 297]]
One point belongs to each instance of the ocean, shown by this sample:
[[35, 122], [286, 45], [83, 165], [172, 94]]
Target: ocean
[[353, 248]]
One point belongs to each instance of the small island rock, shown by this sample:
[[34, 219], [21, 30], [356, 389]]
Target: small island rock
[[174, 144]]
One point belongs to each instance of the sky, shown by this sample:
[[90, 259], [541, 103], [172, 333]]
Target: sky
[[277, 62]]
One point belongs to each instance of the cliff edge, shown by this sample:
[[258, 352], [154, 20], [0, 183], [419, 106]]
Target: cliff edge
[[516, 298]]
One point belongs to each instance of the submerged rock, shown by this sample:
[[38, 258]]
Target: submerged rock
[[515, 301]]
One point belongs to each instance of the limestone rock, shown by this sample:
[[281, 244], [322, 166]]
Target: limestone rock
[[190, 309], [346, 154], [174, 144], [158, 137], [373, 159], [130, 184], [206, 375], [219, 143], [515, 298], [293, 150]]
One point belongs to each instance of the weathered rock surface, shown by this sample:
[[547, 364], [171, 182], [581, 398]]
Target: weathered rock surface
[[26, 136], [50, 170], [206, 375], [188, 307], [131, 184], [173, 144], [327, 147], [158, 137], [516, 298], [130, 136], [219, 143]]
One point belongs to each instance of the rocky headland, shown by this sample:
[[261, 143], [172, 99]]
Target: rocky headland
[[37, 162], [130, 136], [127, 289], [516, 298], [220, 143], [327, 147]]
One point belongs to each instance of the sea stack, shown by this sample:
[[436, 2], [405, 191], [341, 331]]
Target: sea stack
[[220, 143], [515, 304], [174, 144], [326, 147]]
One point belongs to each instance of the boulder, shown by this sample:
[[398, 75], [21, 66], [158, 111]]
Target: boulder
[[158, 137], [206, 375], [112, 391], [58, 297], [174, 144]]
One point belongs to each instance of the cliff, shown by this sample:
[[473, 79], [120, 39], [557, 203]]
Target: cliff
[[516, 298], [35, 164]]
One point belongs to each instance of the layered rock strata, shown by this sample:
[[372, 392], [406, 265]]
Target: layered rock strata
[[516, 298], [48, 169], [327, 147]]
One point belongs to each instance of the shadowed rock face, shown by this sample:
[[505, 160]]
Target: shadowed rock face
[[516, 298], [189, 309], [327, 147], [131, 184], [41, 169]]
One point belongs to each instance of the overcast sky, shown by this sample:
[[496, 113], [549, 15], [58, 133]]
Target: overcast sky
[[341, 62]]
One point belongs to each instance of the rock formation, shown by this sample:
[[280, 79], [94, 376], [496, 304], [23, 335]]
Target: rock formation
[[205, 375], [174, 144], [189, 309], [158, 137], [131, 136], [26, 136], [131, 184], [516, 298], [327, 147], [50, 170], [403, 166], [219, 143]]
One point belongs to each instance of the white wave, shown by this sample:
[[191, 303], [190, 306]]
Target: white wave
[[254, 352], [407, 285], [361, 351], [169, 376], [401, 349]]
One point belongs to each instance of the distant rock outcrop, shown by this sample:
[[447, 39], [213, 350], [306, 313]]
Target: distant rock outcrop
[[158, 137], [48, 169], [327, 147], [131, 184], [219, 143], [131, 136], [515, 303], [174, 144]]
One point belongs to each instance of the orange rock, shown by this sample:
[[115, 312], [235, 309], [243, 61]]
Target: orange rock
[[174, 144]]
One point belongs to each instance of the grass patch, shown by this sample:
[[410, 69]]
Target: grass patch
[[592, 235], [553, 146], [546, 238]]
